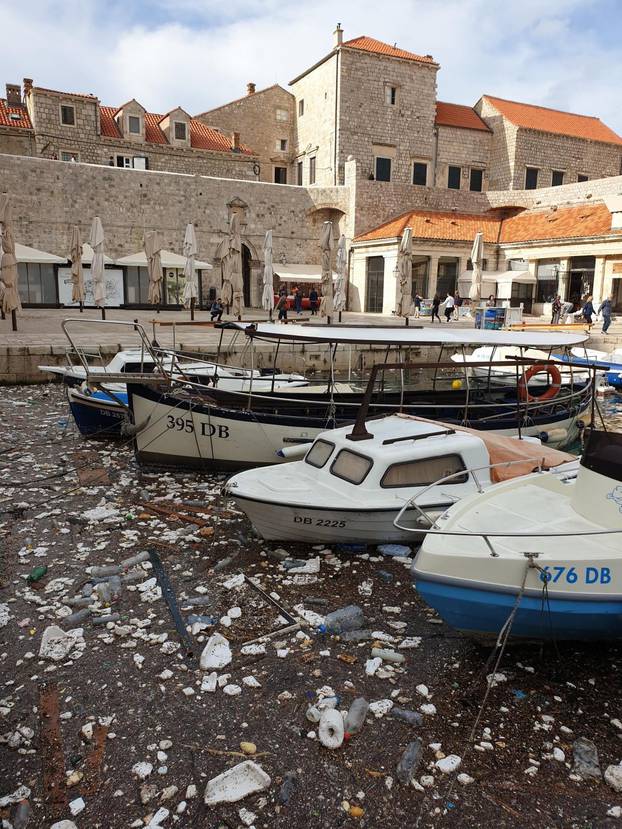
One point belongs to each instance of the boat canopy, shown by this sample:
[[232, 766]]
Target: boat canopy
[[394, 335], [525, 455]]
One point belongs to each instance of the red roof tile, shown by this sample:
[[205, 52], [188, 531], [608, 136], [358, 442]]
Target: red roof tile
[[564, 223], [23, 122], [202, 137], [370, 44], [544, 119], [426, 224], [457, 115]]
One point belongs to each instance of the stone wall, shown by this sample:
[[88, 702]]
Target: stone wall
[[255, 118], [465, 149], [502, 146], [17, 141]]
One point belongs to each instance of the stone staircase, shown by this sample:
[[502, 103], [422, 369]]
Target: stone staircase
[[610, 341]]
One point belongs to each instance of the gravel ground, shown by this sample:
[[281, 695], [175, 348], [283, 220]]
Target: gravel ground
[[125, 699]]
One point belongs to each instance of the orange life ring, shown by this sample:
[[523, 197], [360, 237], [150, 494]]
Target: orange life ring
[[538, 368]]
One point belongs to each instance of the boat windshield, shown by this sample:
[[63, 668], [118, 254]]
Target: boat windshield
[[425, 471], [319, 453], [351, 466]]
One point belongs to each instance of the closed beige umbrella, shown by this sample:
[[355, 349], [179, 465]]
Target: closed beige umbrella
[[326, 243], [267, 296], [154, 266], [404, 299], [77, 274], [11, 303], [98, 278], [341, 266], [190, 250], [235, 264], [477, 260]]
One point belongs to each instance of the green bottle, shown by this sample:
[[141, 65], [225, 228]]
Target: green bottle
[[37, 573]]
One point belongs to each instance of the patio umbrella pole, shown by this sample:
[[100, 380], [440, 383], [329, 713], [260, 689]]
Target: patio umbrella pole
[[14, 320], [81, 307], [103, 313], [192, 309]]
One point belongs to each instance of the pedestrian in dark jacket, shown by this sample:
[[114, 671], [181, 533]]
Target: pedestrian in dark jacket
[[436, 302], [605, 309], [588, 310]]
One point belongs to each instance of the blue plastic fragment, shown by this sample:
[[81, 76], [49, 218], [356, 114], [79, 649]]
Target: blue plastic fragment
[[519, 694], [394, 550]]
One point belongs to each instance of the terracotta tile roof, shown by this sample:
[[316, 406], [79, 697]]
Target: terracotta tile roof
[[578, 221], [426, 224], [543, 119], [564, 223], [5, 116], [202, 137], [457, 115], [370, 44]]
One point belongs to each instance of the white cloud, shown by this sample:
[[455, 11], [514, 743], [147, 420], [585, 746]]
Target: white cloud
[[200, 53]]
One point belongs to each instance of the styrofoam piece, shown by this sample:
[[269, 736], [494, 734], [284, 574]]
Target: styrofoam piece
[[330, 728], [236, 783], [216, 653]]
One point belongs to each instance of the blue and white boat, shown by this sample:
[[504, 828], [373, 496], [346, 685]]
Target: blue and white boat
[[609, 363], [537, 557]]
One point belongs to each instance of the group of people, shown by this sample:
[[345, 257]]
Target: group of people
[[452, 306], [283, 302], [560, 310]]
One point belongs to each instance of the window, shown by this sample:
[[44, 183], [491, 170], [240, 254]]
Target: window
[[68, 155], [180, 131], [124, 161], [280, 175], [282, 145], [301, 107], [420, 173], [546, 276], [282, 115], [136, 286], [140, 162], [374, 285], [557, 178], [67, 115], [469, 266], [319, 453], [383, 169], [299, 173], [476, 180], [312, 170], [531, 178], [453, 177], [425, 472], [351, 467], [133, 124], [582, 177], [37, 283], [390, 94]]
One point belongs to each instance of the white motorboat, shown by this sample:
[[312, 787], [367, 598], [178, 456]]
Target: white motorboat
[[504, 375], [536, 557], [347, 490]]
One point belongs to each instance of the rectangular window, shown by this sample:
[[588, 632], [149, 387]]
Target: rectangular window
[[301, 107], [140, 162], [582, 177], [67, 115], [374, 286], [420, 173], [557, 178], [180, 131], [282, 115], [424, 472], [531, 178], [351, 467], [383, 169], [136, 286], [299, 173], [280, 175], [124, 161], [319, 453], [282, 146], [476, 180], [312, 170], [547, 276], [453, 177], [37, 283], [390, 94], [67, 155], [133, 124]]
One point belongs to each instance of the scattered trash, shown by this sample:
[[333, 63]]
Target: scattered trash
[[410, 717], [236, 783], [409, 762], [355, 718], [613, 777], [394, 550], [449, 763], [347, 618], [290, 781], [216, 654], [585, 757], [330, 728]]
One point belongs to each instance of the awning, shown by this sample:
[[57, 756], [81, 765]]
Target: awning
[[23, 253], [167, 257], [501, 277], [299, 273]]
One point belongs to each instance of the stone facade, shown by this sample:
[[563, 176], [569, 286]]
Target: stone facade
[[264, 119], [464, 148]]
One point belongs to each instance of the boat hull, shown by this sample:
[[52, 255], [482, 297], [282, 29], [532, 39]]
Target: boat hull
[[96, 416], [483, 612]]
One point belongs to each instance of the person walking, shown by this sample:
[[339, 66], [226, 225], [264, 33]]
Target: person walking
[[436, 302], [588, 310], [298, 300], [459, 302], [605, 309], [450, 304], [281, 307], [417, 306], [556, 310], [216, 310], [313, 301]]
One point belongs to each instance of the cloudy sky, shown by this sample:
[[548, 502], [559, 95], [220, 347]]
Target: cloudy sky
[[200, 53]]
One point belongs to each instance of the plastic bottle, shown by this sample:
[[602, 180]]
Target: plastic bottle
[[346, 618], [37, 573], [409, 761], [410, 717], [287, 787], [356, 715], [22, 815], [387, 655]]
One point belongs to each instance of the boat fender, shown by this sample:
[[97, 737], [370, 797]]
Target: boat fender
[[297, 451], [330, 729], [132, 429], [554, 436], [550, 393]]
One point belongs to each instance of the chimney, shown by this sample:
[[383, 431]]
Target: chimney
[[250, 88], [27, 86], [235, 142], [338, 35], [13, 95]]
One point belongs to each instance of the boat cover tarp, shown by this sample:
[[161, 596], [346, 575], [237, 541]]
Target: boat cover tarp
[[526, 455]]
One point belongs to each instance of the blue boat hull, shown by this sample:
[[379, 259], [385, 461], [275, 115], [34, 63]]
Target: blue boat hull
[[99, 416], [484, 612]]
